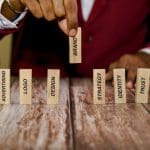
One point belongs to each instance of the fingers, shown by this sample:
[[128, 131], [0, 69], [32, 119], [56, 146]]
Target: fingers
[[63, 25], [63, 10], [71, 15], [109, 74], [47, 9], [131, 76], [58, 8], [33, 7]]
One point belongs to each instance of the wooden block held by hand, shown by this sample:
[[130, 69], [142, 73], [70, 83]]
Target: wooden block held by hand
[[99, 86], [142, 85], [75, 52], [25, 86], [53, 81], [4, 86], [119, 85]]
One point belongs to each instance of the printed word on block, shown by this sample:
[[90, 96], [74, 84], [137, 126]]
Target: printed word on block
[[53, 81], [4, 86], [25, 85], [75, 52], [142, 85], [119, 85], [99, 86]]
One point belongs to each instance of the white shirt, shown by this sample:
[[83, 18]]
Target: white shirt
[[86, 8], [86, 5]]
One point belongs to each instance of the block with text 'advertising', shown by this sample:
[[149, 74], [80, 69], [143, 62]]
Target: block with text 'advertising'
[[4, 86]]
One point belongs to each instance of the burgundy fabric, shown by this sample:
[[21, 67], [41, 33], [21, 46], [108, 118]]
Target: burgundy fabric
[[114, 28]]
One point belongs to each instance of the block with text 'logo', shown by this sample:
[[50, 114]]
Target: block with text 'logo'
[[25, 86]]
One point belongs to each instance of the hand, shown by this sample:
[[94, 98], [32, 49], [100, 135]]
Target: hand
[[130, 62], [65, 11]]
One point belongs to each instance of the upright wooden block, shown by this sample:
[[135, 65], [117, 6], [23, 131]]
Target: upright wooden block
[[53, 81], [75, 52], [142, 85], [25, 85], [4, 86], [99, 86], [119, 85]]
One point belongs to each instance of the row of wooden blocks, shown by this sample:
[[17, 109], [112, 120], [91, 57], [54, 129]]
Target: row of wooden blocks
[[53, 81]]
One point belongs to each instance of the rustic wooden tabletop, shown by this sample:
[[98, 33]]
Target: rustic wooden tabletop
[[75, 123]]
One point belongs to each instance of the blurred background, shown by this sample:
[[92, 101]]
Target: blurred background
[[5, 51]]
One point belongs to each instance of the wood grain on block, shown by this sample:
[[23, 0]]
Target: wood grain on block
[[99, 86], [25, 83], [142, 85], [119, 85], [36, 126], [4, 86], [75, 48], [120, 126], [53, 86]]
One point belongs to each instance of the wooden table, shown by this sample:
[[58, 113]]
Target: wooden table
[[75, 123]]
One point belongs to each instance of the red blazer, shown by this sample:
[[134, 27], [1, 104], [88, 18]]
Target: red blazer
[[114, 28]]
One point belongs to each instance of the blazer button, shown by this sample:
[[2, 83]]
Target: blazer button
[[90, 38]]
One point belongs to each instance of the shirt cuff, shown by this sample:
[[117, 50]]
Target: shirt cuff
[[145, 50], [7, 24]]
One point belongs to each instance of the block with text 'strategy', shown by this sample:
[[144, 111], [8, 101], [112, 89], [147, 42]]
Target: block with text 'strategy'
[[75, 48], [119, 85], [99, 86], [142, 85], [53, 81], [25, 86], [4, 86]]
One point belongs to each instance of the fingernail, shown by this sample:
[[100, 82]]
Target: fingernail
[[129, 85], [72, 32]]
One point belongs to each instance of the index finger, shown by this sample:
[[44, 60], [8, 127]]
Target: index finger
[[71, 10]]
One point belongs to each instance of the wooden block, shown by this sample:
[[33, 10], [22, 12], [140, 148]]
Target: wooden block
[[142, 85], [119, 85], [53, 81], [99, 86], [25, 86], [4, 86], [75, 52]]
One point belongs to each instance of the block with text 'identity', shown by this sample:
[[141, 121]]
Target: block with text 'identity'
[[119, 85]]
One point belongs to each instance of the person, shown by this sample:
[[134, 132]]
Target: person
[[115, 35]]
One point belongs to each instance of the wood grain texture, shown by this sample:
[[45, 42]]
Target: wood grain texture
[[119, 126], [37, 126]]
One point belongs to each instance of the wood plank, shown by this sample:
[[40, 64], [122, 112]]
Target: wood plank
[[119, 126], [36, 126]]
